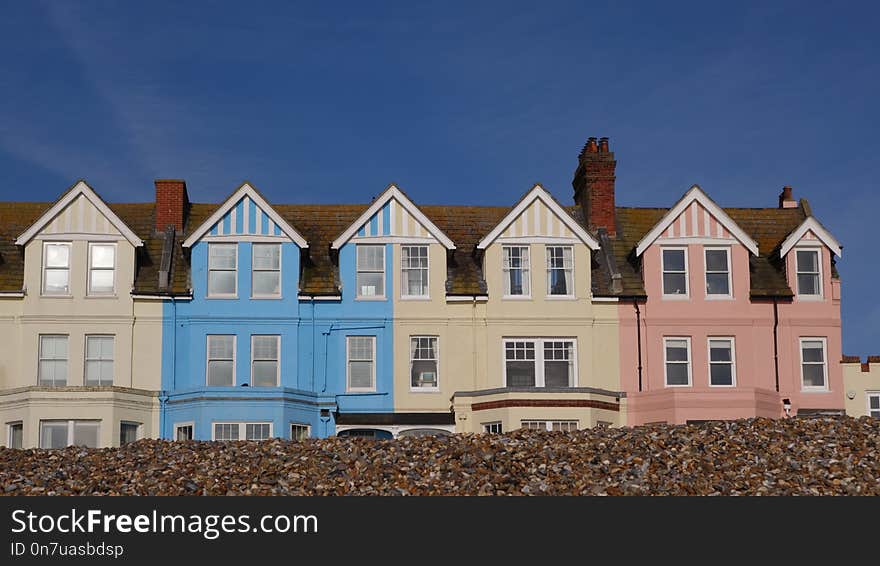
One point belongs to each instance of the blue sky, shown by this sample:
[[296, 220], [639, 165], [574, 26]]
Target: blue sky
[[466, 103]]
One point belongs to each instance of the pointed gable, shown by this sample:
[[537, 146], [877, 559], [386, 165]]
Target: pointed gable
[[697, 216], [79, 212], [811, 230], [538, 215], [246, 214], [393, 214]]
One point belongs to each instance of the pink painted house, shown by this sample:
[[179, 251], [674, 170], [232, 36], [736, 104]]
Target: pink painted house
[[724, 312]]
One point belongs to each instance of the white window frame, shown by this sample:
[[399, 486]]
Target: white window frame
[[86, 359], [91, 268], [824, 342], [138, 432], [69, 246], [357, 270], [254, 270], [308, 429], [505, 272], [539, 357], [571, 292], [277, 359], [70, 428], [12, 424], [242, 429], [709, 362], [190, 424], [348, 361], [729, 255], [868, 396], [234, 294], [687, 283], [208, 358], [436, 386], [403, 286], [40, 359], [548, 424], [690, 362], [797, 271], [493, 427]]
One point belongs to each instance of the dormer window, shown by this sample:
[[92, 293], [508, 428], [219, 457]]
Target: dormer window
[[808, 273], [102, 269], [675, 272], [370, 271], [560, 271], [56, 268], [516, 271], [222, 270], [718, 272]]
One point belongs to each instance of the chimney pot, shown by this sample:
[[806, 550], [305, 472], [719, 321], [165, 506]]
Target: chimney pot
[[591, 145], [603, 145], [593, 185], [785, 198]]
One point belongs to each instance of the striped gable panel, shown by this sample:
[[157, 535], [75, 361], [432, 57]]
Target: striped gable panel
[[537, 220], [80, 217], [696, 222], [392, 220], [246, 218]]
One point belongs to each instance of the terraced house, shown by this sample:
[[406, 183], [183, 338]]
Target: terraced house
[[247, 319]]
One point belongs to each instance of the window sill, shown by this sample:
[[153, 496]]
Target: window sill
[[678, 386], [45, 296], [732, 386], [676, 297], [368, 299], [415, 298], [719, 297], [810, 298], [355, 391], [424, 390], [99, 297], [517, 297], [815, 390], [560, 298], [266, 297], [221, 297]]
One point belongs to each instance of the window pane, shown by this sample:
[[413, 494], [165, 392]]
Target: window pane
[[226, 431], [103, 256], [717, 284], [520, 373], [360, 347], [101, 281], [808, 261], [53, 373], [184, 433], [558, 282], [127, 433], [53, 434], [424, 373], [676, 351], [57, 255], [222, 256], [808, 284], [813, 352], [99, 373], [220, 373], [719, 351], [875, 402], [221, 283], [673, 260], [57, 280], [674, 284], [53, 347], [557, 374], [370, 285], [85, 433], [16, 436], [267, 282], [265, 347], [361, 374], [814, 375], [257, 431], [676, 374], [415, 282], [267, 256], [716, 260], [721, 374], [221, 346], [265, 374], [299, 432], [371, 258]]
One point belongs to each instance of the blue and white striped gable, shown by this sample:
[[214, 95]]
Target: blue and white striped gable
[[393, 215], [246, 216]]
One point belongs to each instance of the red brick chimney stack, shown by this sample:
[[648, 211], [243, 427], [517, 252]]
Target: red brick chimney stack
[[785, 198], [593, 185], [172, 204]]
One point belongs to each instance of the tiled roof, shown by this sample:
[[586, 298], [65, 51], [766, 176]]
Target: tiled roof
[[465, 225]]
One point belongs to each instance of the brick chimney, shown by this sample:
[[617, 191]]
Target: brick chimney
[[594, 185], [785, 198], [172, 204]]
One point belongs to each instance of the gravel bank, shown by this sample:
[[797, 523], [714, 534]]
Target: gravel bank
[[821, 456]]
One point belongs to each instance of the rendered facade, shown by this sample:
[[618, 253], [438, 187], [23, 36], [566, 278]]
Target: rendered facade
[[248, 319]]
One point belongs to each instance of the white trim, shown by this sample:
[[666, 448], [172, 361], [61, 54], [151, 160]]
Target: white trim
[[732, 341], [696, 194], [820, 296], [161, 297], [242, 429], [292, 424], [139, 430], [357, 271], [537, 240], [89, 292], [824, 341], [234, 294], [605, 299], [261, 239], [319, 297], [548, 424], [348, 361], [86, 359], [436, 387], [208, 357], [277, 338], [505, 273], [181, 425], [718, 296], [254, 271], [404, 240], [539, 193], [492, 424], [71, 424], [20, 423], [81, 188], [246, 190], [426, 296], [40, 359], [697, 240], [80, 236], [868, 394], [687, 275], [571, 292], [811, 225], [690, 362], [467, 298], [392, 192], [43, 268], [539, 357]]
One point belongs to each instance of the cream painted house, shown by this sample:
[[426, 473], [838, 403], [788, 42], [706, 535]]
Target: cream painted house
[[80, 362], [861, 385]]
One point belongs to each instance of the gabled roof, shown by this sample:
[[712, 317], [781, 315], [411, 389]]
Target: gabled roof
[[246, 190], [811, 225], [80, 188], [392, 192], [538, 193], [696, 194]]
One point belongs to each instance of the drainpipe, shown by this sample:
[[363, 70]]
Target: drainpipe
[[776, 341], [312, 388], [639, 337], [474, 339]]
